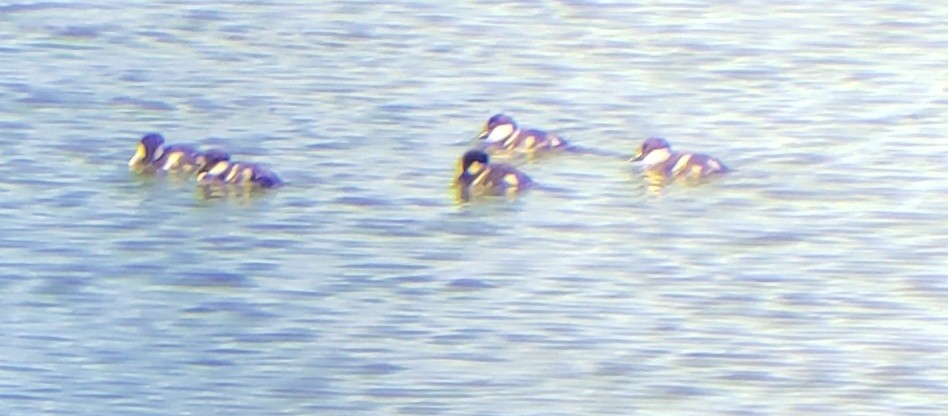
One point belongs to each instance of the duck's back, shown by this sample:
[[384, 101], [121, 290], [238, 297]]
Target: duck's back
[[178, 157], [693, 165]]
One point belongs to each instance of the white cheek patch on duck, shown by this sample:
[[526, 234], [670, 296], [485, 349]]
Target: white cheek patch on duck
[[656, 156], [474, 168], [159, 152], [499, 133], [681, 164], [138, 156]]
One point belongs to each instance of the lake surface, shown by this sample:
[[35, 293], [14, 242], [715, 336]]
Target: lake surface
[[813, 280]]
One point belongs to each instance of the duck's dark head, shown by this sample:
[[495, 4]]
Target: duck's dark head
[[150, 148], [650, 145], [473, 162], [210, 158], [498, 127], [469, 166]]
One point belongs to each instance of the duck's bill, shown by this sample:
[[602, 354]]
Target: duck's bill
[[138, 157], [637, 157], [483, 134]]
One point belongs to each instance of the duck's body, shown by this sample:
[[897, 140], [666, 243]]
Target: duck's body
[[477, 177], [248, 174], [660, 161], [502, 136], [179, 158], [152, 155]]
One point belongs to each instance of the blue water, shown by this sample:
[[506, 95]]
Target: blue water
[[810, 281]]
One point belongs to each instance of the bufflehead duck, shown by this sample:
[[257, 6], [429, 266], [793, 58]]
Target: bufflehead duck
[[659, 160], [227, 172], [502, 136], [478, 176], [152, 155]]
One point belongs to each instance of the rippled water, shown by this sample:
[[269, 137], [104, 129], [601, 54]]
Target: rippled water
[[811, 281]]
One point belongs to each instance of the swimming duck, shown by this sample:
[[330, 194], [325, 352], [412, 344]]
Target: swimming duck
[[502, 136], [152, 155], [659, 160], [223, 171], [477, 176], [206, 160]]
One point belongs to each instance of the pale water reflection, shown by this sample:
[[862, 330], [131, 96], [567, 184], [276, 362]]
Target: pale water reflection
[[812, 280]]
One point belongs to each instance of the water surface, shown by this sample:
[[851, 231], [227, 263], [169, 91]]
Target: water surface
[[811, 281]]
